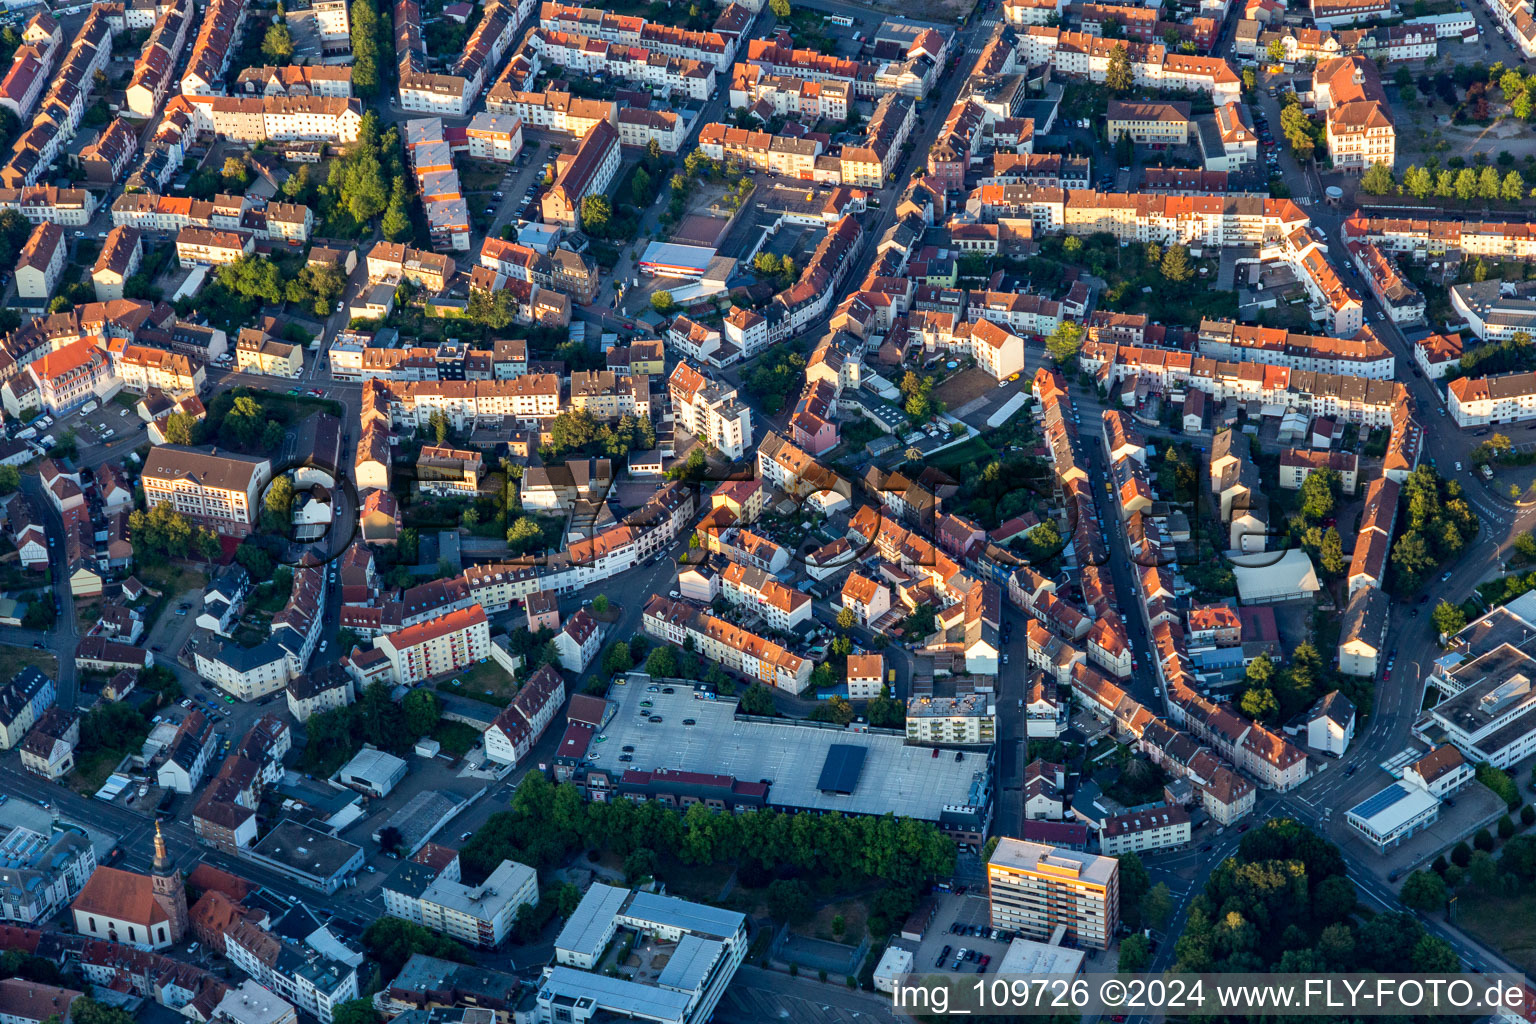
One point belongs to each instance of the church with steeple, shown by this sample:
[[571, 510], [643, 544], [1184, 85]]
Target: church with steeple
[[145, 911]]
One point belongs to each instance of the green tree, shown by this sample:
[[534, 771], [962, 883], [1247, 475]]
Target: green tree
[[396, 224], [277, 45], [1445, 184], [1118, 77], [1318, 494], [279, 505], [662, 663], [1135, 954], [1488, 183], [1377, 180], [617, 659], [10, 479], [1275, 51], [234, 172], [1449, 619], [1157, 906], [780, 8], [365, 48], [494, 309], [1176, 264], [1466, 185], [596, 213], [391, 941], [1418, 182], [1512, 190], [756, 700], [1064, 343], [423, 710], [356, 1011], [845, 618], [1260, 705], [1331, 553], [662, 302], [1424, 890]]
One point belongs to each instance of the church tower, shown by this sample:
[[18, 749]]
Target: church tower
[[169, 891]]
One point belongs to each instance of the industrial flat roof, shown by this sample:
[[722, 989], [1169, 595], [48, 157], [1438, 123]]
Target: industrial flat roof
[[587, 930], [1025, 956], [670, 254], [1039, 858], [897, 779], [685, 914], [690, 963], [1392, 808], [615, 995]]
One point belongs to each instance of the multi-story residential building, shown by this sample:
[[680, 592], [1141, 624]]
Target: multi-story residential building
[[142, 368], [1441, 772], [41, 875], [513, 734], [309, 980], [256, 351], [586, 172], [1403, 302], [952, 721], [296, 79], [211, 247], [790, 156], [155, 69], [447, 643], [49, 749], [1145, 829], [551, 111], [737, 649], [782, 607], [394, 260], [866, 676], [496, 137], [187, 756], [213, 46], [70, 376], [1359, 128], [448, 471], [1478, 401], [323, 688], [1437, 354], [41, 262], [23, 701], [219, 491], [709, 410], [578, 642], [1157, 124], [1033, 889], [1362, 355], [640, 128], [119, 260], [480, 915]]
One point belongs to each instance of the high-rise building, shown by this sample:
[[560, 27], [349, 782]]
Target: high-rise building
[[1034, 888]]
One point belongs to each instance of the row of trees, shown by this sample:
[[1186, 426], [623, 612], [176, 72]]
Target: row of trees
[[547, 822], [162, 534], [578, 431], [1466, 184]]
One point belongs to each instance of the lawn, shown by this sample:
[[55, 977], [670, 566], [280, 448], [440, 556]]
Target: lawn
[[91, 770], [972, 450], [14, 659], [1502, 922], [854, 914], [488, 683], [456, 737], [171, 580]]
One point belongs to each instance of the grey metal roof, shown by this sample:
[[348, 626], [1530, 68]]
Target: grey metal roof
[[589, 927], [672, 912], [691, 963], [616, 995]]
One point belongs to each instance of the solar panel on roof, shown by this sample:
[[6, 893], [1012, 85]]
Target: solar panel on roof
[[1374, 805]]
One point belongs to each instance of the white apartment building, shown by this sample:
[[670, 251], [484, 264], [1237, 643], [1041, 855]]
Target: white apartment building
[[951, 721], [496, 137], [782, 607], [1156, 828], [709, 410], [219, 491], [480, 915], [447, 643]]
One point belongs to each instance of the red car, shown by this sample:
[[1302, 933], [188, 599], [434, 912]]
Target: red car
[[1386, 676]]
